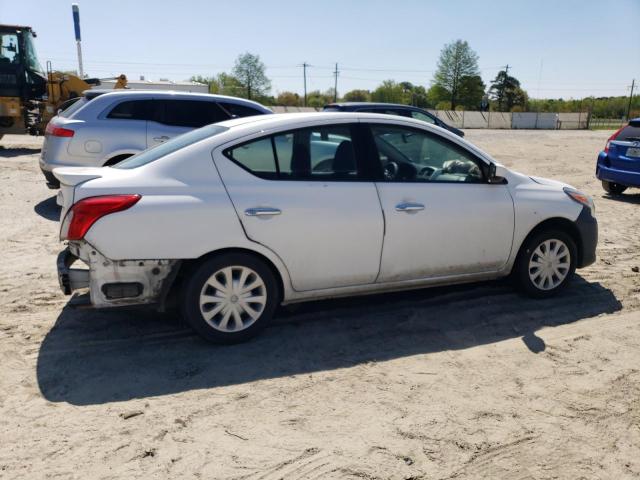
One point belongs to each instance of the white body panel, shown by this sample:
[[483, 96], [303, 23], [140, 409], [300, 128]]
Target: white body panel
[[329, 234], [463, 228], [332, 238]]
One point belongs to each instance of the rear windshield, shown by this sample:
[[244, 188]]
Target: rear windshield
[[74, 107], [629, 134], [181, 141]]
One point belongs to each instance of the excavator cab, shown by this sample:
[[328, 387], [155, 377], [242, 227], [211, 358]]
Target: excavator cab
[[22, 79]]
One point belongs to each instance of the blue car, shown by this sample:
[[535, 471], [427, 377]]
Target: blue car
[[619, 164]]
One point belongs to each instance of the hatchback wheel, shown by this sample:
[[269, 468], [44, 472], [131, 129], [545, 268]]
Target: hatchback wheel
[[613, 188], [229, 299], [546, 262]]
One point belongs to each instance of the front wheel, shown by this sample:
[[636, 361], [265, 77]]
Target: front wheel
[[229, 299], [613, 188], [545, 263]]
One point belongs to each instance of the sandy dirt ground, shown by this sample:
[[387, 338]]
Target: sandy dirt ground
[[473, 381]]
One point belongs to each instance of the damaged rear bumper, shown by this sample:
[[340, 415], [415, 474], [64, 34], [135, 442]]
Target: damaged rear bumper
[[71, 279], [114, 282]]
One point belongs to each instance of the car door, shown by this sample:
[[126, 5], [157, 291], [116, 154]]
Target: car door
[[304, 194], [121, 128], [173, 117], [442, 217]]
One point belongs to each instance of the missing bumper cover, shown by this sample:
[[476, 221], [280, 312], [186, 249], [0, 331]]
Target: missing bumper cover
[[113, 291]]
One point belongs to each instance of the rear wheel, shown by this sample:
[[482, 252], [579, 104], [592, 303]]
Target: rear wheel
[[613, 188], [546, 262], [229, 299]]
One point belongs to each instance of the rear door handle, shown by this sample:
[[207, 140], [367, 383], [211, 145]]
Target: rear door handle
[[262, 212], [409, 207], [163, 138]]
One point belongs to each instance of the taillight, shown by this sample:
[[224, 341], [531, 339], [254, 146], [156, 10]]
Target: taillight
[[88, 211], [58, 131], [613, 137]]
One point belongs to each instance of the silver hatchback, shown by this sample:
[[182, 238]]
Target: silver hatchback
[[104, 129]]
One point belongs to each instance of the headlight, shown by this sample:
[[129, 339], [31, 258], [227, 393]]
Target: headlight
[[581, 198]]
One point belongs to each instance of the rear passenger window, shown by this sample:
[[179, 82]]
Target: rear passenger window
[[240, 110], [318, 153], [192, 113], [256, 156], [132, 110]]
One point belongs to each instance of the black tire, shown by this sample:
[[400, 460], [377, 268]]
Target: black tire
[[195, 285], [613, 188], [521, 269]]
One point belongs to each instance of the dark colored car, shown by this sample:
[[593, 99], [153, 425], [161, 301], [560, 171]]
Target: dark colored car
[[618, 164], [392, 109]]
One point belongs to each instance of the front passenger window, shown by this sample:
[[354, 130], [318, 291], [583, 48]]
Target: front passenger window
[[412, 155]]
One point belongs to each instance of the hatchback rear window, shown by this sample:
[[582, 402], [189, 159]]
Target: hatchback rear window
[[74, 107], [173, 145], [629, 134]]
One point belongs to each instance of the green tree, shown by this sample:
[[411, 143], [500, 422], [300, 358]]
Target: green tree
[[389, 92], [288, 99], [223, 84], [437, 94], [457, 60], [318, 99], [357, 96], [505, 90], [250, 72], [471, 92]]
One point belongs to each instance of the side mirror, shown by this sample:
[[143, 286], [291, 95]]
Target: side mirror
[[497, 173]]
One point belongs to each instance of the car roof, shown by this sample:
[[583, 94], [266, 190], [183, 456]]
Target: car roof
[[246, 126], [369, 104], [111, 94]]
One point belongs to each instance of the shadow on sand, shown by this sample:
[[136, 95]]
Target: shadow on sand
[[93, 357], [625, 197], [48, 209], [17, 152]]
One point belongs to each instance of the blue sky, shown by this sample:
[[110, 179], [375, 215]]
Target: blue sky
[[556, 48]]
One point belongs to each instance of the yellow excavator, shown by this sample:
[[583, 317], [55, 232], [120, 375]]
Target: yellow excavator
[[29, 96]]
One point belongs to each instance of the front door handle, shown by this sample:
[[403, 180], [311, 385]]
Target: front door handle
[[409, 207], [262, 212], [163, 138]]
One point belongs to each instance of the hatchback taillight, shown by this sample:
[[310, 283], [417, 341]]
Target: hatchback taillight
[[55, 131], [82, 215], [613, 137]]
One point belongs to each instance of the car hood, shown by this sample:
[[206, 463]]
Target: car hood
[[549, 183]]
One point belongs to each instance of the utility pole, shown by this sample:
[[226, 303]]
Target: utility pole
[[75, 10], [304, 74], [335, 88], [633, 84], [504, 86]]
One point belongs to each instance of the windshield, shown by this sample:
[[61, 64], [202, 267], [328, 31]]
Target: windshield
[[181, 141], [31, 59]]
